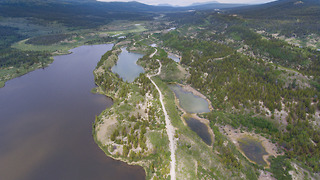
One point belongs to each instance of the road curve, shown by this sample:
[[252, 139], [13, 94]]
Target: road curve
[[169, 127]]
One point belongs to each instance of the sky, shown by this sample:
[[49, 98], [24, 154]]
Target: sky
[[188, 2]]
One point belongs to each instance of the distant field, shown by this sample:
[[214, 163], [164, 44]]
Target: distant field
[[82, 38], [120, 28]]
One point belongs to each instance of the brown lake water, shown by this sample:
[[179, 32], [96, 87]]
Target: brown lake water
[[46, 123]]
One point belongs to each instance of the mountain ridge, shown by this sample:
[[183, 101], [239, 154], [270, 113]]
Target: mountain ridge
[[282, 9]]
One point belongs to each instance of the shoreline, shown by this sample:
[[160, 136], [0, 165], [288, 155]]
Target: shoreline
[[194, 115], [235, 134], [60, 52], [108, 122], [189, 88], [31, 69]]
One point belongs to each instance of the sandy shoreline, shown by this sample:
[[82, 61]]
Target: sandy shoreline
[[188, 88], [235, 134]]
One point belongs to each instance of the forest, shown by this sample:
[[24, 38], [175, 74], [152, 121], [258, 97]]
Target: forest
[[238, 84], [256, 82], [13, 57]]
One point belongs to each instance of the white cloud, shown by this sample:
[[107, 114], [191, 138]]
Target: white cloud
[[188, 2]]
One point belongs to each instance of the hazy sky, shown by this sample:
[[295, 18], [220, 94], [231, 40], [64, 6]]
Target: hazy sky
[[188, 2]]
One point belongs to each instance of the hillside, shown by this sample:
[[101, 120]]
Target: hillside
[[286, 17], [283, 9], [77, 14], [261, 89]]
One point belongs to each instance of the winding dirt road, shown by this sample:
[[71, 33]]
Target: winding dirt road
[[169, 127]]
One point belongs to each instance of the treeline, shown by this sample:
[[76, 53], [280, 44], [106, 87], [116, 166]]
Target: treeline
[[49, 39], [76, 14], [10, 57], [278, 51], [305, 60], [258, 124], [16, 58], [102, 40], [287, 17], [8, 36], [193, 49]]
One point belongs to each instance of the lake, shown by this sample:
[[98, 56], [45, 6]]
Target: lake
[[200, 128], [174, 57], [190, 102], [253, 150], [46, 123], [127, 67]]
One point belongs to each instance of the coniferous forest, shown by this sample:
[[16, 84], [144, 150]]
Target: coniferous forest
[[257, 66]]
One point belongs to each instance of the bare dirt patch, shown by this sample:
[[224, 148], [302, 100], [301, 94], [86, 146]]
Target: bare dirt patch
[[105, 129], [265, 175]]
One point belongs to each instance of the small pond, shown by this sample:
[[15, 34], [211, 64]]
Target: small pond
[[127, 67], [190, 102], [200, 128], [153, 45], [253, 150], [174, 57]]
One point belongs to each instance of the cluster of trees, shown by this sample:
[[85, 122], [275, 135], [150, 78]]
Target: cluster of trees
[[106, 55], [278, 51], [10, 57], [244, 82], [16, 58], [102, 40], [301, 141], [107, 81], [280, 168], [144, 83], [293, 18], [135, 137], [8, 36], [258, 124], [227, 156], [148, 63], [194, 49], [49, 39]]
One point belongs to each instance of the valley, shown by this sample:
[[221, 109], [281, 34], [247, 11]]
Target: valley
[[197, 94]]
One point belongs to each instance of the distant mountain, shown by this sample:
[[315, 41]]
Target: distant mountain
[[203, 3], [164, 4], [215, 6], [74, 13], [259, 2], [91, 13], [283, 9], [203, 6], [287, 17]]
